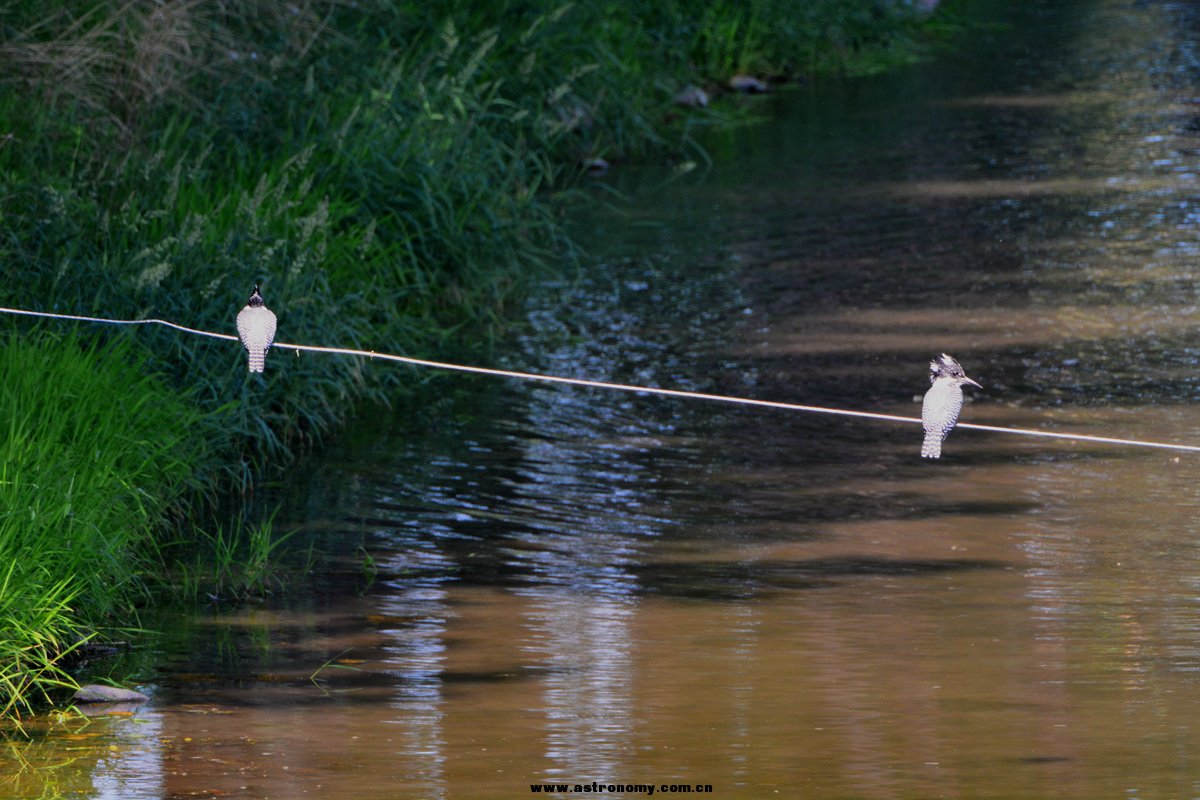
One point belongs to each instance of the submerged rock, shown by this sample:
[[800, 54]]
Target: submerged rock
[[748, 84], [595, 166], [96, 693], [692, 97]]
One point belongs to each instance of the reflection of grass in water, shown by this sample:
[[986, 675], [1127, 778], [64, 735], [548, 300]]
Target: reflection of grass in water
[[337, 662], [52, 758]]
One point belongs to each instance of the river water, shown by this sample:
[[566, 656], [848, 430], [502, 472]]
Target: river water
[[537, 584]]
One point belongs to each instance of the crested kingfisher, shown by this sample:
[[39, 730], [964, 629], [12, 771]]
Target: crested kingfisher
[[943, 401], [256, 329]]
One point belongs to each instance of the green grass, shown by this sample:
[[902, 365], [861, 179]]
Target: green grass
[[391, 172], [96, 456], [235, 562]]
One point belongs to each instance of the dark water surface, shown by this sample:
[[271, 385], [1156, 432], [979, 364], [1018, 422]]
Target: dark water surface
[[542, 584]]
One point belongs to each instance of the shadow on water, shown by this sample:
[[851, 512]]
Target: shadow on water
[[739, 580], [525, 583]]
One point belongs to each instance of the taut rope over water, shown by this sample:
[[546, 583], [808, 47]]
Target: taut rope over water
[[621, 387]]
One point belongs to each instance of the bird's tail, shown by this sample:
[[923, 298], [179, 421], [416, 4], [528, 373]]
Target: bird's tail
[[932, 448], [258, 359]]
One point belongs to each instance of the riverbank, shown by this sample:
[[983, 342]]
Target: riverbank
[[390, 176]]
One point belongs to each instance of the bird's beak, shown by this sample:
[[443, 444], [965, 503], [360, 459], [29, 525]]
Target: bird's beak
[[973, 383]]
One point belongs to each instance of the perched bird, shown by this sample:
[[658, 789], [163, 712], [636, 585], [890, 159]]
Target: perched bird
[[256, 329], [942, 402]]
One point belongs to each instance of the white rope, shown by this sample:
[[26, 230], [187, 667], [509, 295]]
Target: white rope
[[177, 327], [529, 376]]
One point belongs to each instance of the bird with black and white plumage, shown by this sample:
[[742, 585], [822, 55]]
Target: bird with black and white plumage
[[943, 402], [256, 329]]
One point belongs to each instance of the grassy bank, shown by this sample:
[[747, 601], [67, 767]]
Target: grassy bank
[[387, 171], [96, 455]]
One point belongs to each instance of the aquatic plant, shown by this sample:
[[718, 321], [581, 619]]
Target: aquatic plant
[[234, 562]]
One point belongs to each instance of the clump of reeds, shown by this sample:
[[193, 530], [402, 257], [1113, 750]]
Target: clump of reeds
[[237, 562]]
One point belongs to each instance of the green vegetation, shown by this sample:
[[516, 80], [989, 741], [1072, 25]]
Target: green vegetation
[[387, 170], [237, 562], [96, 456]]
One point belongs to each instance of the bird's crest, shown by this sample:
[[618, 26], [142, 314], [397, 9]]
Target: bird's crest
[[945, 366]]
